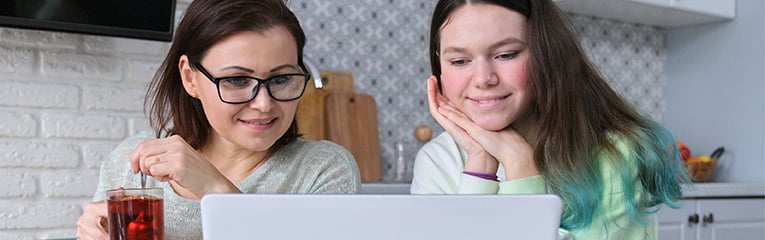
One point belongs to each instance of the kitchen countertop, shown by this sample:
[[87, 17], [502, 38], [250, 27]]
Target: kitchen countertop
[[725, 189], [385, 188], [698, 190]]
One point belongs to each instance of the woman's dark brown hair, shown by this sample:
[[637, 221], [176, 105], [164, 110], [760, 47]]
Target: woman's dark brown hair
[[579, 117], [172, 110]]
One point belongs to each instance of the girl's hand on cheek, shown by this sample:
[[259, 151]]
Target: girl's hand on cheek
[[437, 102], [478, 159], [507, 145]]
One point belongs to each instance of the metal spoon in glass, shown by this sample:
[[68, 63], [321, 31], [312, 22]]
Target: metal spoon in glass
[[143, 180], [143, 183]]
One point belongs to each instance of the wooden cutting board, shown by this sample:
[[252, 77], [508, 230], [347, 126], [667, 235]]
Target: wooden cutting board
[[310, 113], [351, 121]]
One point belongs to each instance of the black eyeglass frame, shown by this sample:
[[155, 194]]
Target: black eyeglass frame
[[256, 89]]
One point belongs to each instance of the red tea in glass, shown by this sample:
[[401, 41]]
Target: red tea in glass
[[135, 213]]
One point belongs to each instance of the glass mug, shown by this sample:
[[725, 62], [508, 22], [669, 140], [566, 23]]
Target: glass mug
[[136, 213]]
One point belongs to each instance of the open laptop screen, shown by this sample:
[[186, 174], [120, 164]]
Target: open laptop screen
[[380, 217]]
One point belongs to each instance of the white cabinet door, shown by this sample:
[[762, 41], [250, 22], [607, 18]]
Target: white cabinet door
[[678, 224], [731, 219], [714, 219]]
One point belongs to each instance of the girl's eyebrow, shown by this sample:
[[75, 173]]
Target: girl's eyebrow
[[502, 42], [454, 49], [508, 41]]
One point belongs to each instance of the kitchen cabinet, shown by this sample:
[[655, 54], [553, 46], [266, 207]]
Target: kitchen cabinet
[[716, 218], [661, 13]]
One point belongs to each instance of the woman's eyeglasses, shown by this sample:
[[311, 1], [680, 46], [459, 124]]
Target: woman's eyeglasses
[[242, 89]]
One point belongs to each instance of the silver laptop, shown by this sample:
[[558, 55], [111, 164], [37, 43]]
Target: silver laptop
[[380, 217]]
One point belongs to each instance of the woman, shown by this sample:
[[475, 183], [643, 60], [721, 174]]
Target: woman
[[525, 112], [223, 108]]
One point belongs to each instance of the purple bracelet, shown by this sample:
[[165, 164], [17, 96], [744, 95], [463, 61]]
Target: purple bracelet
[[492, 177]]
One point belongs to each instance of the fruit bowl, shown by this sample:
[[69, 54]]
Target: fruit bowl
[[700, 168]]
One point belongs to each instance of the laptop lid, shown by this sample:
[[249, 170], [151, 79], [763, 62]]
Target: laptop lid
[[380, 217]]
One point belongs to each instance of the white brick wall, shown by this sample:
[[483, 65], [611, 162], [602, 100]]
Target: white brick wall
[[65, 101]]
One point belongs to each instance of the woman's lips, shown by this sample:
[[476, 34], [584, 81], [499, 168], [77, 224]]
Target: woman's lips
[[260, 124]]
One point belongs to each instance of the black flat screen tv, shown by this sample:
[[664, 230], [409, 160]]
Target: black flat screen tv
[[139, 19]]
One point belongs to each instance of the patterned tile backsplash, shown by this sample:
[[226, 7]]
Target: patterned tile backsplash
[[384, 44]]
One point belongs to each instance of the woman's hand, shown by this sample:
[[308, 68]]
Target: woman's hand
[[506, 146], [479, 160], [93, 224], [173, 159]]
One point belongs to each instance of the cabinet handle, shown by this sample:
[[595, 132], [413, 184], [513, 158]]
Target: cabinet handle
[[709, 218], [694, 218]]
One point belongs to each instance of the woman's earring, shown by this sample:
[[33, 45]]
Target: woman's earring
[[194, 95]]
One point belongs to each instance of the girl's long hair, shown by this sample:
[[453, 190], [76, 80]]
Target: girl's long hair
[[582, 121]]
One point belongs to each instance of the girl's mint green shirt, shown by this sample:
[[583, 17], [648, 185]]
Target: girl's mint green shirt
[[438, 169]]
